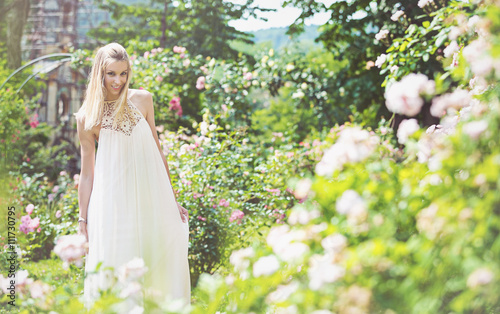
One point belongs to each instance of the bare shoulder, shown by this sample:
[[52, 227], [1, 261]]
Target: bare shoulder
[[142, 99], [84, 135], [139, 96]]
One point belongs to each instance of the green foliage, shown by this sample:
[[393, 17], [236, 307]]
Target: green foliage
[[421, 47], [218, 175], [55, 205], [12, 117], [201, 26]]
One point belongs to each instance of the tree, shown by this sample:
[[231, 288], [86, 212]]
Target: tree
[[201, 26], [350, 36], [13, 14]]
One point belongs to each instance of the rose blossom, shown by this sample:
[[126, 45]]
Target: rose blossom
[[476, 54], [381, 60], [29, 208], [302, 188], [132, 270], [429, 223], [334, 243], [475, 128], [237, 216], [283, 242], [265, 265], [403, 97], [397, 15], [353, 145], [479, 277], [382, 34], [200, 83], [239, 259], [458, 99], [71, 248], [352, 205], [322, 270], [406, 129], [39, 289], [423, 3], [451, 49], [282, 293], [178, 49], [302, 216]]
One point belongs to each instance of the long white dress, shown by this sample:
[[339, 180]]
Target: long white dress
[[132, 213]]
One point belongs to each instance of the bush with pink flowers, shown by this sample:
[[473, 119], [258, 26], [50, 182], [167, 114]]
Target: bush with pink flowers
[[44, 210], [412, 230]]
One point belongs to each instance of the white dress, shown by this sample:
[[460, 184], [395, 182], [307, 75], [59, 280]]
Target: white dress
[[132, 213]]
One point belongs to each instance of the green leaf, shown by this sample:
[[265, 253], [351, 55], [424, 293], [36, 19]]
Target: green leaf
[[441, 39], [426, 24], [411, 29], [403, 46]]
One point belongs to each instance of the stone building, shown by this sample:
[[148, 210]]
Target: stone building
[[54, 26]]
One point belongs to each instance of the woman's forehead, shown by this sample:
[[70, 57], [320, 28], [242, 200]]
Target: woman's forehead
[[117, 66]]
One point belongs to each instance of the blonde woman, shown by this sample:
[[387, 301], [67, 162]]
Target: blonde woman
[[128, 210]]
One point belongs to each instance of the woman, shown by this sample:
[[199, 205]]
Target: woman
[[128, 210]]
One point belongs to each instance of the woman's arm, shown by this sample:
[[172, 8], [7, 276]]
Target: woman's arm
[[87, 148]]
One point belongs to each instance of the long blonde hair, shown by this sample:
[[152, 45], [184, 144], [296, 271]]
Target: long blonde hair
[[93, 105]]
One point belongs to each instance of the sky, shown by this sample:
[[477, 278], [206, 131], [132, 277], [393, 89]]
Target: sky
[[283, 17]]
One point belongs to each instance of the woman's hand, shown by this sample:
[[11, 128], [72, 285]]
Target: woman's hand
[[183, 212], [82, 229]]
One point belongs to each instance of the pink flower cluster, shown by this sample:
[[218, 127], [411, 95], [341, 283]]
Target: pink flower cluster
[[451, 102], [71, 248], [28, 224], [275, 192], [34, 121], [200, 83], [178, 49], [247, 76], [223, 202], [353, 145], [237, 216], [175, 104], [153, 52]]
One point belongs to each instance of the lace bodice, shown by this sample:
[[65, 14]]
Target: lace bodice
[[126, 124]]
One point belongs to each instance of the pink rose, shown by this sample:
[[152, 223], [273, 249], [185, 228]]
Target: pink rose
[[200, 83], [237, 216], [29, 208]]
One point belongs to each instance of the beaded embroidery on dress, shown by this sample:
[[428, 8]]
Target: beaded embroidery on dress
[[127, 122], [132, 214]]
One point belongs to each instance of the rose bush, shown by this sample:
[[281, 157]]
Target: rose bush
[[387, 230]]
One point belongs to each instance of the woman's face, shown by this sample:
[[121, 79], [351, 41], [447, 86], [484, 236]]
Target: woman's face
[[115, 78]]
